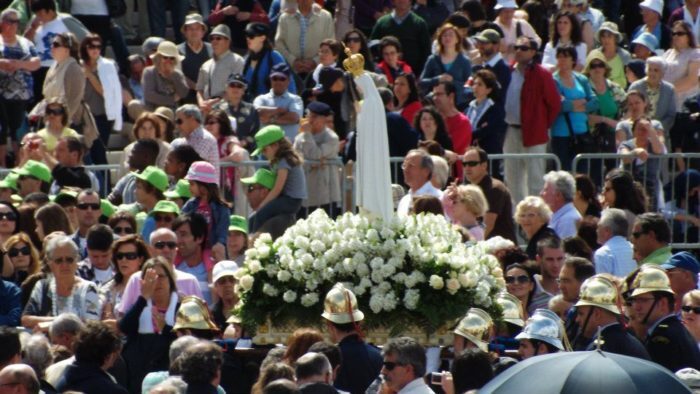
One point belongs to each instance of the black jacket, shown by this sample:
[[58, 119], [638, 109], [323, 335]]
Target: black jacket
[[672, 346], [617, 340], [88, 378], [361, 365]]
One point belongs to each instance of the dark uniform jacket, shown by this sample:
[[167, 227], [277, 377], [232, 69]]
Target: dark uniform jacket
[[672, 346], [361, 364], [617, 340]]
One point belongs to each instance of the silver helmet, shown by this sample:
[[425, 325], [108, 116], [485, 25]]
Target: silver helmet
[[544, 325]]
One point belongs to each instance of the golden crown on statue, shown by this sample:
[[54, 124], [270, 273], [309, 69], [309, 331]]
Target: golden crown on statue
[[355, 63]]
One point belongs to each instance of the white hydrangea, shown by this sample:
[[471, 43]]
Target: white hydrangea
[[411, 298], [283, 276], [376, 303], [309, 299], [270, 290], [317, 246], [301, 242]]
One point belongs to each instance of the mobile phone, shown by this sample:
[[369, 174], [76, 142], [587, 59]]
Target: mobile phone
[[436, 378]]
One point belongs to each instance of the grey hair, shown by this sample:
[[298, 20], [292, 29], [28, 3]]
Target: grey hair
[[535, 203], [616, 220], [66, 323], [159, 232], [441, 170], [7, 12], [563, 182], [408, 352], [312, 364], [180, 345], [171, 385], [656, 61], [425, 159], [191, 111], [36, 353], [61, 241]]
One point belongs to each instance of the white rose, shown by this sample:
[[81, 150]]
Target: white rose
[[246, 282], [452, 286], [289, 296], [284, 276], [372, 236], [263, 251], [436, 282], [265, 237], [309, 299], [270, 290], [254, 266]]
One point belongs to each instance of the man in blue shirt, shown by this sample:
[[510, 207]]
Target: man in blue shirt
[[279, 107]]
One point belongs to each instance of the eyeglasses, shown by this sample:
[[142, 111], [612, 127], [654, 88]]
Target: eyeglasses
[[597, 65], [164, 244], [168, 58], [522, 48], [163, 218], [236, 85], [278, 79], [94, 47], [14, 252], [56, 44], [353, 39], [8, 216], [123, 230], [64, 260], [688, 309], [85, 206], [638, 234], [179, 121], [127, 255], [54, 111], [517, 279], [678, 33], [390, 365], [217, 38], [473, 163]]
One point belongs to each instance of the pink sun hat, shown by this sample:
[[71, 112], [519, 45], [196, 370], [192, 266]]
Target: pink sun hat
[[202, 171]]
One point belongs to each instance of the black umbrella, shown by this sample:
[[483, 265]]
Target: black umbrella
[[586, 373]]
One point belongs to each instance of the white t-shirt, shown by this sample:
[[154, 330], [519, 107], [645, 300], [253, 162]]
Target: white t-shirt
[[43, 37], [103, 276], [88, 7]]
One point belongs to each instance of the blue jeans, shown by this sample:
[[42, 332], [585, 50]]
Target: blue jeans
[[156, 14], [280, 205]]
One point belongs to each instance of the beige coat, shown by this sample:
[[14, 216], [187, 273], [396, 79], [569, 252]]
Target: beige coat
[[287, 39], [322, 180]]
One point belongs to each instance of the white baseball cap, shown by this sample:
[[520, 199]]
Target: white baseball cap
[[224, 268], [654, 5]]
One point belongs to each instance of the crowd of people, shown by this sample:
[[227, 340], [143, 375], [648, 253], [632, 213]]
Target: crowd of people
[[124, 281]]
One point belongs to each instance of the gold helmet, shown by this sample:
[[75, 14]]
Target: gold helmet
[[194, 314], [601, 292], [340, 306], [512, 308], [651, 278], [476, 328]]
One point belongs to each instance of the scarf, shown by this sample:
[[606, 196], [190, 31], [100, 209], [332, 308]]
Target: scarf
[[146, 325]]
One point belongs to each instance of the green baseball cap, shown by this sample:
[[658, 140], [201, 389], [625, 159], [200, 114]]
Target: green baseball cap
[[182, 190], [9, 182], [266, 136], [65, 196], [155, 176], [108, 209], [165, 206], [262, 176], [36, 169], [238, 223]]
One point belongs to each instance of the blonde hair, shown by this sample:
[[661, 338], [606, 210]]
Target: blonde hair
[[473, 199], [693, 296], [535, 203]]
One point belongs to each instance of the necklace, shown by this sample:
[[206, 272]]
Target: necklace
[[53, 295]]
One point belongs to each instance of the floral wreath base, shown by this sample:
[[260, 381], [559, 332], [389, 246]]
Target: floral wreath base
[[412, 271]]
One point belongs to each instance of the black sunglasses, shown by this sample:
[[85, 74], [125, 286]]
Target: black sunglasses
[[94, 46], [597, 65], [85, 206], [8, 216], [688, 309], [56, 44], [163, 244], [127, 255], [522, 48], [14, 252], [123, 230], [678, 33], [55, 111], [519, 279], [390, 365], [473, 163], [353, 39], [163, 218]]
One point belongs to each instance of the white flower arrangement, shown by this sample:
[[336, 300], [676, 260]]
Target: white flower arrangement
[[413, 267]]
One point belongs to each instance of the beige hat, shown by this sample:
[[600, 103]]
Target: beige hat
[[165, 113], [167, 49], [192, 19]]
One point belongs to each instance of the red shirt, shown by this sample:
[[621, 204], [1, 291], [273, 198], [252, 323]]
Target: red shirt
[[459, 128], [409, 112]]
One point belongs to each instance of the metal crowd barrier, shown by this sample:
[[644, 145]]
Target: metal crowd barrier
[[683, 235]]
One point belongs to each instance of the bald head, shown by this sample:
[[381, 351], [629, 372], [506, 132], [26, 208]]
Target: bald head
[[18, 378]]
